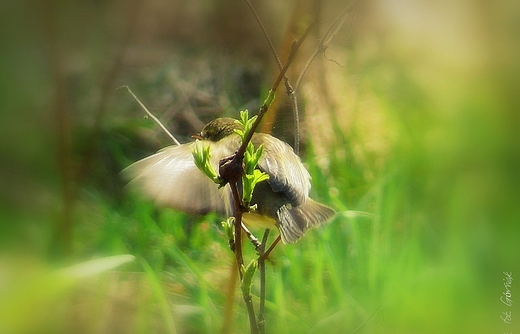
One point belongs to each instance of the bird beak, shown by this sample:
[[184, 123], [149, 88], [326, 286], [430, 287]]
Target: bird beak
[[197, 136]]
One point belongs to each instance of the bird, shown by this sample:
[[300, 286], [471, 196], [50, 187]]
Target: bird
[[170, 178]]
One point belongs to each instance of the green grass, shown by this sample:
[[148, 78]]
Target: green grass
[[401, 256], [419, 248]]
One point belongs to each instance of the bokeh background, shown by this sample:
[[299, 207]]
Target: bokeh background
[[409, 126]]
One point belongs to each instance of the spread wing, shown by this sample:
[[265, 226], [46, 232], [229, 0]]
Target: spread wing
[[170, 178], [286, 171]]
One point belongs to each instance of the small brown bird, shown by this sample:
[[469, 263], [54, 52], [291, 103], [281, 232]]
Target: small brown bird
[[171, 178]]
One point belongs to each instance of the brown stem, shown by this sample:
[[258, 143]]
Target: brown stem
[[238, 228], [270, 249], [251, 313], [271, 45], [239, 256]]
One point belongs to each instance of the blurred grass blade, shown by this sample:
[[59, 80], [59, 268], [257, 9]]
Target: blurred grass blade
[[158, 292], [94, 267]]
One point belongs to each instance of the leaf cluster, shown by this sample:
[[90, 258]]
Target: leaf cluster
[[201, 156], [252, 176]]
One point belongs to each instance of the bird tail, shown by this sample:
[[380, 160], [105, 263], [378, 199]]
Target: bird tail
[[293, 222]]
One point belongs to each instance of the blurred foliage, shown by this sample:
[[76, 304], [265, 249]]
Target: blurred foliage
[[414, 140]]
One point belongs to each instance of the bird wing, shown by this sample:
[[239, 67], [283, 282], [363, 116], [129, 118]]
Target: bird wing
[[171, 178], [286, 171]]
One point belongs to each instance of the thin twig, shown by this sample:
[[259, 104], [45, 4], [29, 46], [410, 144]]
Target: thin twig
[[150, 114], [329, 34], [265, 106], [270, 249], [296, 115], [251, 236], [271, 46], [251, 313], [289, 88], [238, 229]]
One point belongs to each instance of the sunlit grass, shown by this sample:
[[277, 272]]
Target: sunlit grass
[[402, 255]]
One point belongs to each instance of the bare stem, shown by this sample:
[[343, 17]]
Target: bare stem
[[251, 236], [270, 249], [238, 227], [289, 88], [156, 120], [251, 313], [329, 35], [265, 106], [296, 114], [239, 256], [271, 46]]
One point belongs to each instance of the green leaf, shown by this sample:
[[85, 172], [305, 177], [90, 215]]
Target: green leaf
[[247, 279], [229, 227], [201, 156], [249, 183], [240, 133], [260, 176]]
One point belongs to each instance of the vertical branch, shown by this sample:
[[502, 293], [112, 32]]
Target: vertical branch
[[239, 256], [231, 169], [238, 228], [253, 326]]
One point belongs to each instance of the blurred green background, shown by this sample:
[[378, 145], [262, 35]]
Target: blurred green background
[[410, 125]]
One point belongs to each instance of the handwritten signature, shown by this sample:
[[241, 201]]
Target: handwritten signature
[[506, 296], [506, 317]]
